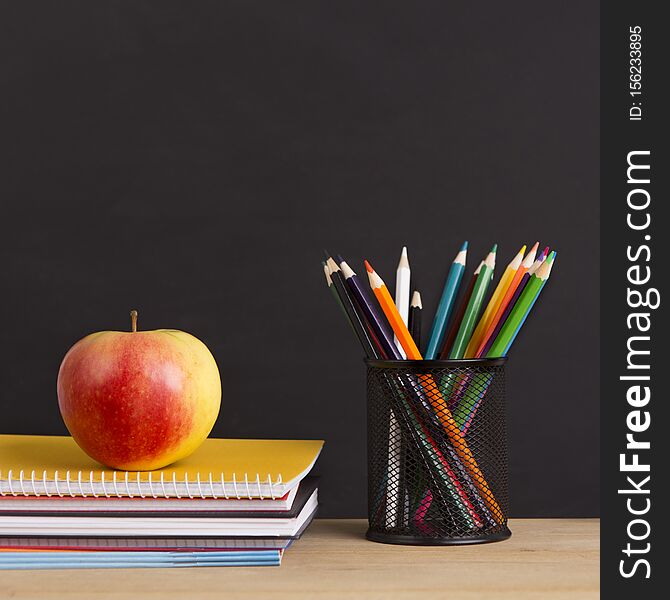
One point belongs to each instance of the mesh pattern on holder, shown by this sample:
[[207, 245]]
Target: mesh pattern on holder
[[437, 451]]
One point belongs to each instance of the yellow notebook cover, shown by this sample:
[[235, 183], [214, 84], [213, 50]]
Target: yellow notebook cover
[[55, 465]]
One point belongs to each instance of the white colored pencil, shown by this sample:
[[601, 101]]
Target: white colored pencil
[[402, 289], [403, 276]]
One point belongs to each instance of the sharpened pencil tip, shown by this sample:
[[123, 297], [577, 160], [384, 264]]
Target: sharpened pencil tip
[[332, 265], [403, 263], [545, 252], [523, 250], [326, 271], [552, 256], [339, 259], [464, 246], [527, 262], [326, 254], [347, 271], [494, 248], [368, 267]]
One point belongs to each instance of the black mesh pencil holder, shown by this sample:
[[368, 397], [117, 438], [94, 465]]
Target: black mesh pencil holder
[[437, 451]]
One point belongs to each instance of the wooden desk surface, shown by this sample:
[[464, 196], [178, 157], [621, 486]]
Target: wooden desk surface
[[544, 558]]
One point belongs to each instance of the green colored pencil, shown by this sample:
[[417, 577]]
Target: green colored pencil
[[521, 309], [474, 306], [331, 287]]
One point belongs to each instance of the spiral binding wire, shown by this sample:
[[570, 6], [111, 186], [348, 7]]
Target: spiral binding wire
[[78, 485]]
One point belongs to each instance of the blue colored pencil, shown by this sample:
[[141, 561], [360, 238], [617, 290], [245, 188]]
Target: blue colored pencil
[[446, 304]]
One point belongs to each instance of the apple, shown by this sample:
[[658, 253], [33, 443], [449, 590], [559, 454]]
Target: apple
[[139, 400]]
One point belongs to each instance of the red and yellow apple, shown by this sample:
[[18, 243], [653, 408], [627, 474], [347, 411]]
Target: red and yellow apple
[[139, 400]]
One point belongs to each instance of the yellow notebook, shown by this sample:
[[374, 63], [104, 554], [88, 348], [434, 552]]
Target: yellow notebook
[[34, 465]]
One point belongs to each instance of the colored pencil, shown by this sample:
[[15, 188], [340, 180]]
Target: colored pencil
[[336, 284], [402, 287], [548, 265], [474, 306], [392, 315], [526, 264], [511, 303], [415, 310], [361, 318], [458, 314], [403, 276], [331, 287], [451, 385], [380, 353], [494, 303], [474, 393], [539, 261], [371, 312], [521, 309], [447, 301], [431, 390], [394, 480]]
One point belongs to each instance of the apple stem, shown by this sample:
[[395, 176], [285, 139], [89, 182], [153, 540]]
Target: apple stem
[[133, 320]]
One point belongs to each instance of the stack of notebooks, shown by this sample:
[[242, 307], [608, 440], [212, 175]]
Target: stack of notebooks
[[231, 503]]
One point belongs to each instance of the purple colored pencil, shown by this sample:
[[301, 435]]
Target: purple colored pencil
[[372, 313]]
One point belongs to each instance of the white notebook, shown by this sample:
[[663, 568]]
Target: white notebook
[[157, 526]]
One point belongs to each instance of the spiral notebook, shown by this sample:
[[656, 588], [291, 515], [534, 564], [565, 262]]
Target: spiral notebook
[[91, 504], [221, 468], [126, 507]]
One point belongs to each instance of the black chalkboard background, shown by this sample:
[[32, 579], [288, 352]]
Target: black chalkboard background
[[191, 160]]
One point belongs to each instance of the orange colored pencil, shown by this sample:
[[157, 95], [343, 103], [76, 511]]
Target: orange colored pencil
[[432, 391], [392, 314], [514, 284]]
